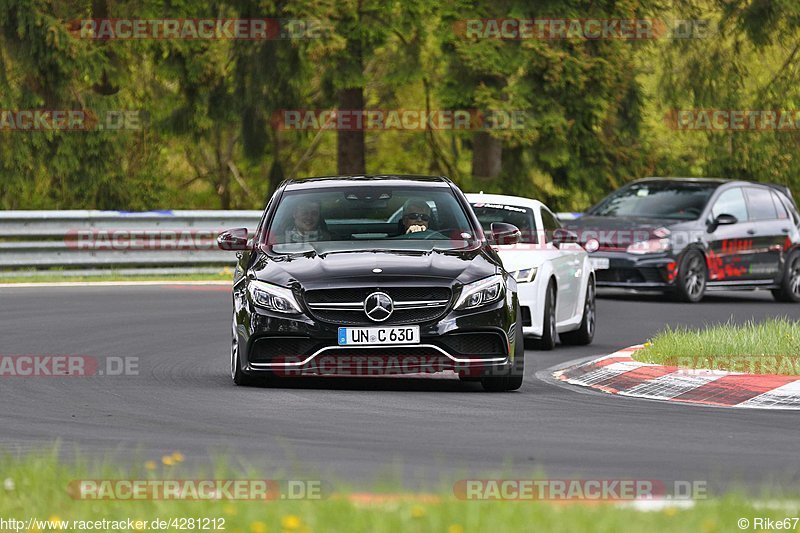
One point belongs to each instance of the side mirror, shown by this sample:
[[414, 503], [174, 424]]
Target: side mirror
[[503, 233], [564, 236], [723, 219], [233, 240]]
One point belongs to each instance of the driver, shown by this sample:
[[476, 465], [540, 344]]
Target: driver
[[416, 215], [306, 223]]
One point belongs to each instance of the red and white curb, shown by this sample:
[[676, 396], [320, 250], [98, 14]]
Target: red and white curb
[[619, 374]]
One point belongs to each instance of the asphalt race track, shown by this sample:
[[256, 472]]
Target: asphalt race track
[[424, 432]]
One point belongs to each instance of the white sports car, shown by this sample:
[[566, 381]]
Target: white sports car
[[555, 277]]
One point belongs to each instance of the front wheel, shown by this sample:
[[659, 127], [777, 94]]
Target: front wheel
[[513, 373], [585, 333], [237, 375], [549, 334], [692, 276], [789, 290]]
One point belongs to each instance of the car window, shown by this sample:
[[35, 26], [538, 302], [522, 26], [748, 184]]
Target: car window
[[780, 208], [731, 202], [360, 218], [550, 223], [521, 217], [681, 201], [760, 204]]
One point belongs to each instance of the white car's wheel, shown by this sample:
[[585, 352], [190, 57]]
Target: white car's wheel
[[585, 333]]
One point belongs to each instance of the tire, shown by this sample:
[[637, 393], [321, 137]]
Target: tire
[[585, 333], [789, 290], [692, 276], [549, 334], [237, 374], [515, 372]]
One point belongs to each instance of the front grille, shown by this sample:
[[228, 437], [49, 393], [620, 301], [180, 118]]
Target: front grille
[[398, 294], [345, 306], [267, 349], [629, 275], [478, 344]]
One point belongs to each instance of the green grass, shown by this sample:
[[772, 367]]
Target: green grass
[[769, 347], [35, 486]]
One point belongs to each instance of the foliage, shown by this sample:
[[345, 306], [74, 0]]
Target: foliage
[[594, 109]]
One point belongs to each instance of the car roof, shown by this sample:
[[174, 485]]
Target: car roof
[[366, 180], [474, 197], [717, 181]]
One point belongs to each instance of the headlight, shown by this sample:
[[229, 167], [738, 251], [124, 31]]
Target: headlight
[[525, 275], [653, 246], [480, 293], [272, 297]]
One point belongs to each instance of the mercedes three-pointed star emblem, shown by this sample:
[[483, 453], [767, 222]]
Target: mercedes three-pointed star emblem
[[378, 306]]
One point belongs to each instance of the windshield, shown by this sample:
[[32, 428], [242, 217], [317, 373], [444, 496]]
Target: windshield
[[521, 217], [682, 201], [368, 218]]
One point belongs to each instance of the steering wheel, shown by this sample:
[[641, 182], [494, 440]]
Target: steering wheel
[[433, 234]]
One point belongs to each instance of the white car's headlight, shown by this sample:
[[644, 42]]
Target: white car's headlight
[[652, 246], [481, 292], [526, 275], [272, 297]]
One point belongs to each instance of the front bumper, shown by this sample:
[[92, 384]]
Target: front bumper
[[470, 343], [642, 272]]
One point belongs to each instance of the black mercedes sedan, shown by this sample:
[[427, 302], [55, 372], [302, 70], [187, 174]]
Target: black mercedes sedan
[[373, 276], [687, 236]]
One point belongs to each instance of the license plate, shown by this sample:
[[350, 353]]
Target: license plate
[[396, 335], [599, 263]]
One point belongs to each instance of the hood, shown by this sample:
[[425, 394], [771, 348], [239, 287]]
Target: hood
[[521, 259], [614, 232], [434, 267]]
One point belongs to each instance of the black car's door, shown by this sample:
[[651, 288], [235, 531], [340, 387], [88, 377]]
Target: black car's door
[[767, 233], [730, 246]]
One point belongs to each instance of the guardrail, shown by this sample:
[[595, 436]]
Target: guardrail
[[82, 242], [116, 239]]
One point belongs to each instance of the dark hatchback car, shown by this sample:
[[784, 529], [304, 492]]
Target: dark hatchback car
[[690, 235], [373, 275]]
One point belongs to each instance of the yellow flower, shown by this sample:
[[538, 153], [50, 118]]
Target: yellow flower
[[178, 457], [709, 526], [168, 460], [670, 511], [55, 519], [455, 528], [150, 465], [258, 527], [417, 512], [290, 522], [230, 509]]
